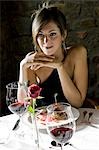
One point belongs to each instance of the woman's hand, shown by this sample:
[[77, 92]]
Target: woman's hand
[[37, 60]]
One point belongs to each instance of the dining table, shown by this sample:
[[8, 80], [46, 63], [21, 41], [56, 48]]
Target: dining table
[[86, 136]]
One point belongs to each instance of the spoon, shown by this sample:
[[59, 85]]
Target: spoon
[[55, 95]]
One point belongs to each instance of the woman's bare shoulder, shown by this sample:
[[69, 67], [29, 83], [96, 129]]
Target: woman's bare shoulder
[[77, 50]]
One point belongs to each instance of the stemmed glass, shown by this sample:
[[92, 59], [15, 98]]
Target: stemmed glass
[[14, 105], [60, 123]]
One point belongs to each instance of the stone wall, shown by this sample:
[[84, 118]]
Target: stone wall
[[16, 41]]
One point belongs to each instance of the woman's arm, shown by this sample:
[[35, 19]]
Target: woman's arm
[[75, 91], [26, 75]]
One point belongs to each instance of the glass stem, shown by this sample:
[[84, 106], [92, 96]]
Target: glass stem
[[36, 130], [37, 141], [61, 146]]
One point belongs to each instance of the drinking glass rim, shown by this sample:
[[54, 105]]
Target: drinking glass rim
[[12, 83], [62, 103]]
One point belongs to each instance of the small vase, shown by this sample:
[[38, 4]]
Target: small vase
[[35, 132]]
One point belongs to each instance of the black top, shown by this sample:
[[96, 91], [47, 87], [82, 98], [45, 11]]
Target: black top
[[51, 86]]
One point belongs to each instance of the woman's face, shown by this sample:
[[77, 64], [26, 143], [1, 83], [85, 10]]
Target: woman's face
[[50, 39]]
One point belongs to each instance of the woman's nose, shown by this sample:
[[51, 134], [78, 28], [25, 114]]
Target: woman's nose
[[46, 38]]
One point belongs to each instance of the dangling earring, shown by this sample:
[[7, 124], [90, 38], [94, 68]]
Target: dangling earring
[[64, 46]]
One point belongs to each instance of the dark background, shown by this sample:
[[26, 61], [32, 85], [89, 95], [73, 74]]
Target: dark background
[[16, 41]]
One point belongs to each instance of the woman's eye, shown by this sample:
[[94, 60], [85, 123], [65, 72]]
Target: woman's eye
[[40, 36], [52, 34]]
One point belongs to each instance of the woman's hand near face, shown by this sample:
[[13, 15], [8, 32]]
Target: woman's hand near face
[[46, 61], [27, 61], [37, 60]]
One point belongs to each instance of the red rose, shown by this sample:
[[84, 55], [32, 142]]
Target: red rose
[[34, 91]]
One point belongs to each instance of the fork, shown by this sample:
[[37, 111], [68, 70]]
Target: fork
[[90, 114], [89, 123], [84, 114]]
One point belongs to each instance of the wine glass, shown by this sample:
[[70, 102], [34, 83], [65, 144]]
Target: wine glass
[[60, 123], [14, 105]]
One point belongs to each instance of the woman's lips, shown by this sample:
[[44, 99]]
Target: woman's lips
[[48, 47]]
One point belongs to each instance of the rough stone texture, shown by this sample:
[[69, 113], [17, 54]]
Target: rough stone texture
[[16, 41]]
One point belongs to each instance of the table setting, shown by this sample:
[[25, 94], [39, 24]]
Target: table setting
[[58, 126], [85, 137]]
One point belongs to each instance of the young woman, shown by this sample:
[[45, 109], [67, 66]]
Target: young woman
[[54, 67]]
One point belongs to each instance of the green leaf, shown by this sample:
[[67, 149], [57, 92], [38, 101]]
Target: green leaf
[[31, 110]]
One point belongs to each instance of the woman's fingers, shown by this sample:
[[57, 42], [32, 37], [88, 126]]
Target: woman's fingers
[[38, 56], [36, 60], [30, 53], [43, 59], [35, 67]]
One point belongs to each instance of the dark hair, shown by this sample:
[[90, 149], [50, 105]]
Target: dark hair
[[44, 16]]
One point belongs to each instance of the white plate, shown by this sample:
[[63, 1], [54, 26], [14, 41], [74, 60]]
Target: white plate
[[83, 122], [26, 117], [75, 113]]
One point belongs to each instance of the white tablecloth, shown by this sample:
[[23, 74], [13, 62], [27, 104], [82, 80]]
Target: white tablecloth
[[85, 138]]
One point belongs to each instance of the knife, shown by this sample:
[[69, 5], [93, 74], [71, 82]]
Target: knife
[[16, 124]]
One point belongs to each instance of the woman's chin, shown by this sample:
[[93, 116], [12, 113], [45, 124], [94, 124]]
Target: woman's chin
[[49, 53]]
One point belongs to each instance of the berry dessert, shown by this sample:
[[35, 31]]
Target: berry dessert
[[41, 115]]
